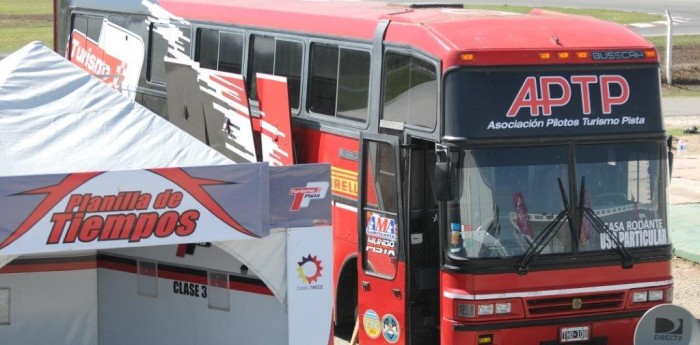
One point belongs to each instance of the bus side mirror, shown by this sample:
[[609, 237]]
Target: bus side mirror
[[442, 181]]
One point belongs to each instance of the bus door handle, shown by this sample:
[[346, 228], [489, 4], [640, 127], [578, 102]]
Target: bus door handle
[[365, 286], [397, 293]]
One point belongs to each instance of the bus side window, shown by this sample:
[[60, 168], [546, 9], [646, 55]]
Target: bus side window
[[339, 83], [324, 79], [262, 61], [80, 23], [221, 51], [353, 84], [277, 57], [410, 90], [94, 28], [165, 39], [231, 53], [207, 48], [157, 49], [288, 63], [90, 26]]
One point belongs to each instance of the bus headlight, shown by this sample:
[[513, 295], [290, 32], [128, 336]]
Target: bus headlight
[[485, 309], [656, 295], [503, 308], [465, 310], [639, 296]]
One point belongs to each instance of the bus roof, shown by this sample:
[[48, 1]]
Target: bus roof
[[438, 31]]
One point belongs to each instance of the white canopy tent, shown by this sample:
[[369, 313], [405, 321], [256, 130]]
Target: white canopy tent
[[57, 120]]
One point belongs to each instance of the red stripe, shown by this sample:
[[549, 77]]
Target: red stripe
[[48, 267], [190, 278], [117, 266], [91, 263], [259, 289]]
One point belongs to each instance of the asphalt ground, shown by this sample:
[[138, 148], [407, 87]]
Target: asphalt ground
[[680, 106]]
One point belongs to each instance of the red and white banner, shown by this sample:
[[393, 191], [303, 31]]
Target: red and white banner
[[276, 121], [89, 56], [116, 58], [212, 106], [99, 210]]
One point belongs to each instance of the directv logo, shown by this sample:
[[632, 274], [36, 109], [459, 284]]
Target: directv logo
[[670, 330], [667, 324]]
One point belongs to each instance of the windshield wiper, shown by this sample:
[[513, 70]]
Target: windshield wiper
[[544, 237], [601, 228]]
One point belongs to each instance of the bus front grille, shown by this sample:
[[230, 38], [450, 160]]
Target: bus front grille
[[575, 304]]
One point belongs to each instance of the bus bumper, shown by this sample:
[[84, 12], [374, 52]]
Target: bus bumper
[[604, 330]]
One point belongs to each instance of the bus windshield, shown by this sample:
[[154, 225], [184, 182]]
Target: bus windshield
[[505, 197]]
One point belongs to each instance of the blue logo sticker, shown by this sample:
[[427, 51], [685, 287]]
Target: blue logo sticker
[[391, 330]]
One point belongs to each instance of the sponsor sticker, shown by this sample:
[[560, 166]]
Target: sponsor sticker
[[381, 227], [390, 328], [309, 271], [344, 181], [304, 195], [370, 322]]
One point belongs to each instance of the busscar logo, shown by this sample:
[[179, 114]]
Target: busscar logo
[[618, 55], [304, 195], [668, 330]]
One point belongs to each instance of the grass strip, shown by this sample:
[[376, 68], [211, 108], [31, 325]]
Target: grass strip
[[621, 17], [678, 40], [25, 7]]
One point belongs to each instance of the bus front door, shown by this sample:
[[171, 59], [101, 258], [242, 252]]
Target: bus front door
[[381, 268]]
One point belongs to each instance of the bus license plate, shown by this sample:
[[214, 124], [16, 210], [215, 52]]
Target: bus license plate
[[574, 334]]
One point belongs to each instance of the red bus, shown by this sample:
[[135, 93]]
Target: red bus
[[498, 178]]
